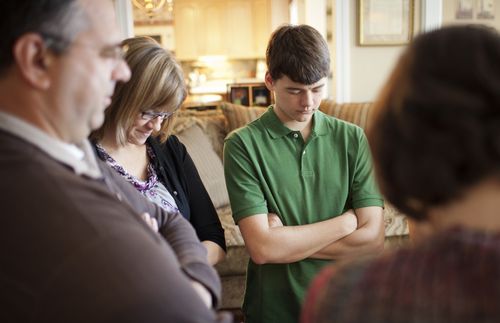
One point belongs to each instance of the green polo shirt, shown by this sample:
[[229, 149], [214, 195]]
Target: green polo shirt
[[269, 168]]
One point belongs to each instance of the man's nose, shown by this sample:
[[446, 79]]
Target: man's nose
[[121, 71]]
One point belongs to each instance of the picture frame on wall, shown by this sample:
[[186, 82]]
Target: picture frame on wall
[[465, 9], [385, 22], [486, 9]]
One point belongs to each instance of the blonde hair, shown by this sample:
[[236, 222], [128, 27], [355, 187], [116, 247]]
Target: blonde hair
[[156, 83]]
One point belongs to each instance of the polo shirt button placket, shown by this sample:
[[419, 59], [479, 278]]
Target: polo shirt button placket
[[295, 135]]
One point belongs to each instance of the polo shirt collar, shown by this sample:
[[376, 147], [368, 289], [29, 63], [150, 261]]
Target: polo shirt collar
[[80, 158], [276, 129]]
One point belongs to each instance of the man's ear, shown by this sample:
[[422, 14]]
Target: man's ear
[[33, 60], [269, 81]]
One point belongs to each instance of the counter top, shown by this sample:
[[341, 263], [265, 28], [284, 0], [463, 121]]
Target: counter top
[[219, 86]]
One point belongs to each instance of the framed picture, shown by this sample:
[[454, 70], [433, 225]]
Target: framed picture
[[385, 22], [240, 95], [485, 9], [261, 96], [465, 9]]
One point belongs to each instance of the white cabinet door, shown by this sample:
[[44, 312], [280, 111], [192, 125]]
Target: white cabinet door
[[186, 29], [261, 26], [234, 28], [239, 30], [212, 29]]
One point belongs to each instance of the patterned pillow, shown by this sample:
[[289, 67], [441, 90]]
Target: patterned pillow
[[212, 122], [238, 115], [208, 164]]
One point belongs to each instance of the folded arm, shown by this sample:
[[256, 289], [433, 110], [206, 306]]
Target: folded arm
[[367, 239], [177, 232], [269, 243]]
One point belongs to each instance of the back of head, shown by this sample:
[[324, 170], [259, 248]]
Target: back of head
[[156, 83], [54, 18], [437, 121], [299, 52]]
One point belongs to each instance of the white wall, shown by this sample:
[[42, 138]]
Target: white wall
[[123, 9], [370, 66]]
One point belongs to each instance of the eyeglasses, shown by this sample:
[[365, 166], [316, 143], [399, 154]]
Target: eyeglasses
[[150, 115], [59, 44]]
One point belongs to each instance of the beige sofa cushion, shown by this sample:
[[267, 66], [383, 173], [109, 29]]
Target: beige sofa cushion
[[207, 162], [357, 113], [238, 115], [212, 122], [232, 232]]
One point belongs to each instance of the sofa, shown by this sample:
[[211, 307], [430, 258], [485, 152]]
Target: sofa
[[203, 133]]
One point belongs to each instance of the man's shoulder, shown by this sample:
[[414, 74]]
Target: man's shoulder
[[18, 155]]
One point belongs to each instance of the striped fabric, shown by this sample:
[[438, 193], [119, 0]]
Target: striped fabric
[[238, 115], [357, 113], [208, 164], [212, 122]]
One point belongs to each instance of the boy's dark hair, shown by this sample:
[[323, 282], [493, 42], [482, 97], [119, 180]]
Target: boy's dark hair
[[54, 19], [299, 52], [437, 126]]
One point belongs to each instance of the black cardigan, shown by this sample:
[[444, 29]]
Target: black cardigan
[[176, 170]]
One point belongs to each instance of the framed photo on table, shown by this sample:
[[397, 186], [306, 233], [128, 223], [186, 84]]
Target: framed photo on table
[[261, 96], [240, 95], [249, 94], [385, 22]]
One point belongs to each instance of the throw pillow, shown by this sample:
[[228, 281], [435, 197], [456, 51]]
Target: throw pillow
[[357, 113], [239, 115], [207, 162], [212, 122]]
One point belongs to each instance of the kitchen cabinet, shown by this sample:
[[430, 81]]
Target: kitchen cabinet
[[186, 19], [237, 29]]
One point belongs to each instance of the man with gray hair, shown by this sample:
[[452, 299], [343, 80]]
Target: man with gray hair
[[73, 245]]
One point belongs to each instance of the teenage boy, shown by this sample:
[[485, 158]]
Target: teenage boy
[[300, 182]]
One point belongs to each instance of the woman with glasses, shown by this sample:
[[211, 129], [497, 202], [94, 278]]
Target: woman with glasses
[[135, 141]]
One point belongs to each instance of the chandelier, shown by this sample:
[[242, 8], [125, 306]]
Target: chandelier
[[152, 7]]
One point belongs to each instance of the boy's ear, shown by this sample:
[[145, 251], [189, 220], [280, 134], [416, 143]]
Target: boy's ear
[[33, 60], [269, 81]]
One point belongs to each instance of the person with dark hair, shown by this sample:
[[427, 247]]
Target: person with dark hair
[[436, 146], [73, 245], [135, 141], [300, 182]]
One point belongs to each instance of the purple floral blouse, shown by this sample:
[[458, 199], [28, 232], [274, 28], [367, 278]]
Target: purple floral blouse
[[152, 188]]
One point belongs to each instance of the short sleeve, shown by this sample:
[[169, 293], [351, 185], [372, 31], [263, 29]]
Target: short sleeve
[[242, 180]]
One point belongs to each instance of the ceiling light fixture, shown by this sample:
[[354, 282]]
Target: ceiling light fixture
[[151, 7]]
